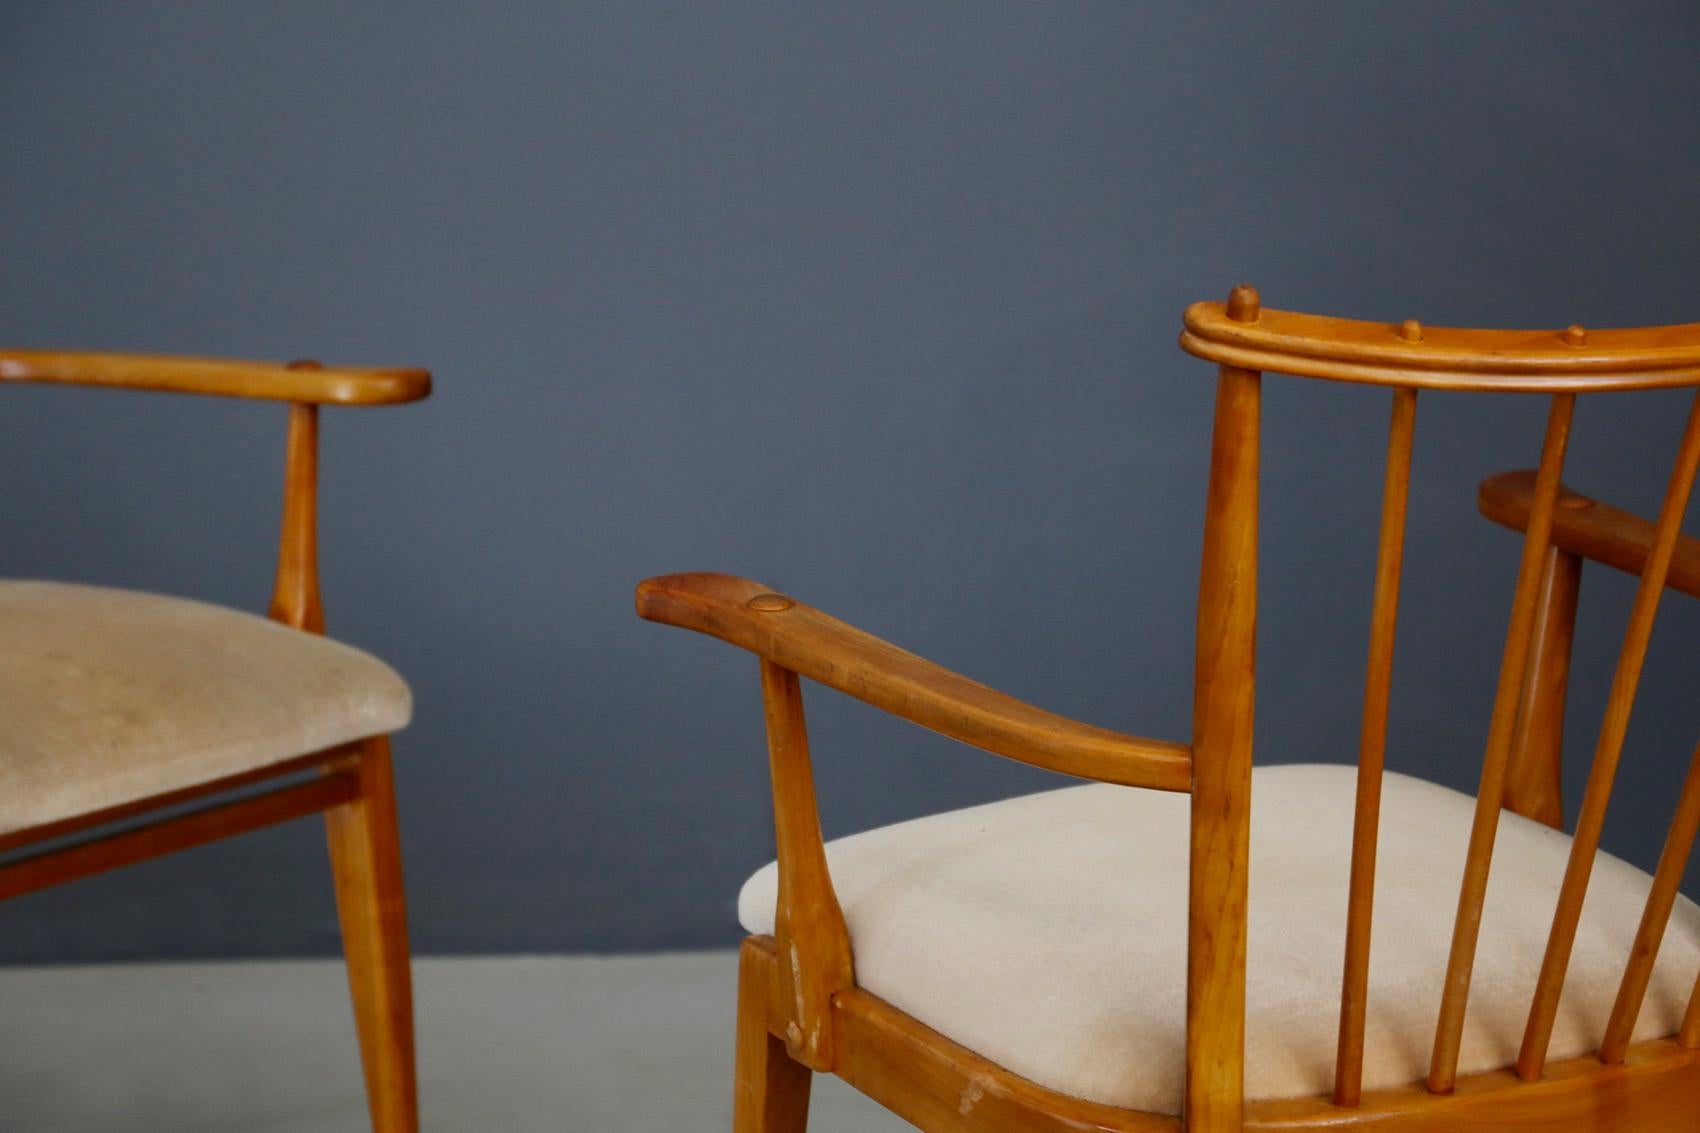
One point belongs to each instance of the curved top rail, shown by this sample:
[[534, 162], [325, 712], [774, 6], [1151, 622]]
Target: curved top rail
[[305, 381], [1240, 333]]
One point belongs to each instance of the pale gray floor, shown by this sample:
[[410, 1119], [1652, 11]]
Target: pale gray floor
[[513, 1044]]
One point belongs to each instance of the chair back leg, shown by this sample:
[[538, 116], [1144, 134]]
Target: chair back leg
[[366, 863]]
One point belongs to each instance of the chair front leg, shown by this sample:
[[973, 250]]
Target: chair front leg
[[366, 864], [770, 1088]]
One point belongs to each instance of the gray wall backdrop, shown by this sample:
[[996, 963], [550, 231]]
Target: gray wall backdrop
[[873, 302]]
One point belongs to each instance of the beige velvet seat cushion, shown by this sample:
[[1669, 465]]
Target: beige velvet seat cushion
[[109, 696], [1048, 933]]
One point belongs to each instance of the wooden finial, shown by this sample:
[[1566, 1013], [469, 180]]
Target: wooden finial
[[1243, 304], [1575, 335], [1411, 330]]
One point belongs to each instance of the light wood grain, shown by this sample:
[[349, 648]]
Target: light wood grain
[[1530, 361], [1689, 1033], [219, 377], [365, 849], [167, 836], [1655, 1090], [1449, 1027], [1223, 699], [1661, 898], [934, 1083], [1534, 774], [1592, 529], [1590, 820], [1372, 748], [808, 922], [770, 1092], [296, 600], [824, 649]]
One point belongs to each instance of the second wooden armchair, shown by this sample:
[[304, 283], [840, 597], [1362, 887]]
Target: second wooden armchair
[[1187, 946]]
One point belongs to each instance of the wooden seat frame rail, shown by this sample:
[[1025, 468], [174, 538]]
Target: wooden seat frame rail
[[800, 1010], [351, 784]]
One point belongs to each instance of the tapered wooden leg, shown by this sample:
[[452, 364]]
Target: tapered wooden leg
[[771, 1092], [366, 863]]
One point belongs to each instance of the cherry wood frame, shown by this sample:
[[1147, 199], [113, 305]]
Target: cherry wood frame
[[800, 1010], [351, 783]]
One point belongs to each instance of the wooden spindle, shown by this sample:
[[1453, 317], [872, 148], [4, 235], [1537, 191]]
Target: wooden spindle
[[1449, 1028], [1673, 860], [809, 927], [1372, 749], [1590, 821], [1223, 701], [1689, 1033]]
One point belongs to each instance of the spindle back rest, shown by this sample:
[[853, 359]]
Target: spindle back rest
[[1519, 765]]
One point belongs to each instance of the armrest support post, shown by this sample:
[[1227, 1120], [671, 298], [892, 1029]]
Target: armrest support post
[[1533, 778], [814, 942], [295, 594]]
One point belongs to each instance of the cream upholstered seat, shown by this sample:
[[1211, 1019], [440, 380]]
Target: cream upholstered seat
[[110, 696], [1048, 933]]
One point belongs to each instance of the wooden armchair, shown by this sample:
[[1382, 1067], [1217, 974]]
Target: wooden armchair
[[1195, 954], [119, 708]]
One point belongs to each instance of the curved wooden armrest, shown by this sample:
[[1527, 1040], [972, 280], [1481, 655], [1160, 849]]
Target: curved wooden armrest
[[1586, 527], [824, 649], [276, 381]]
